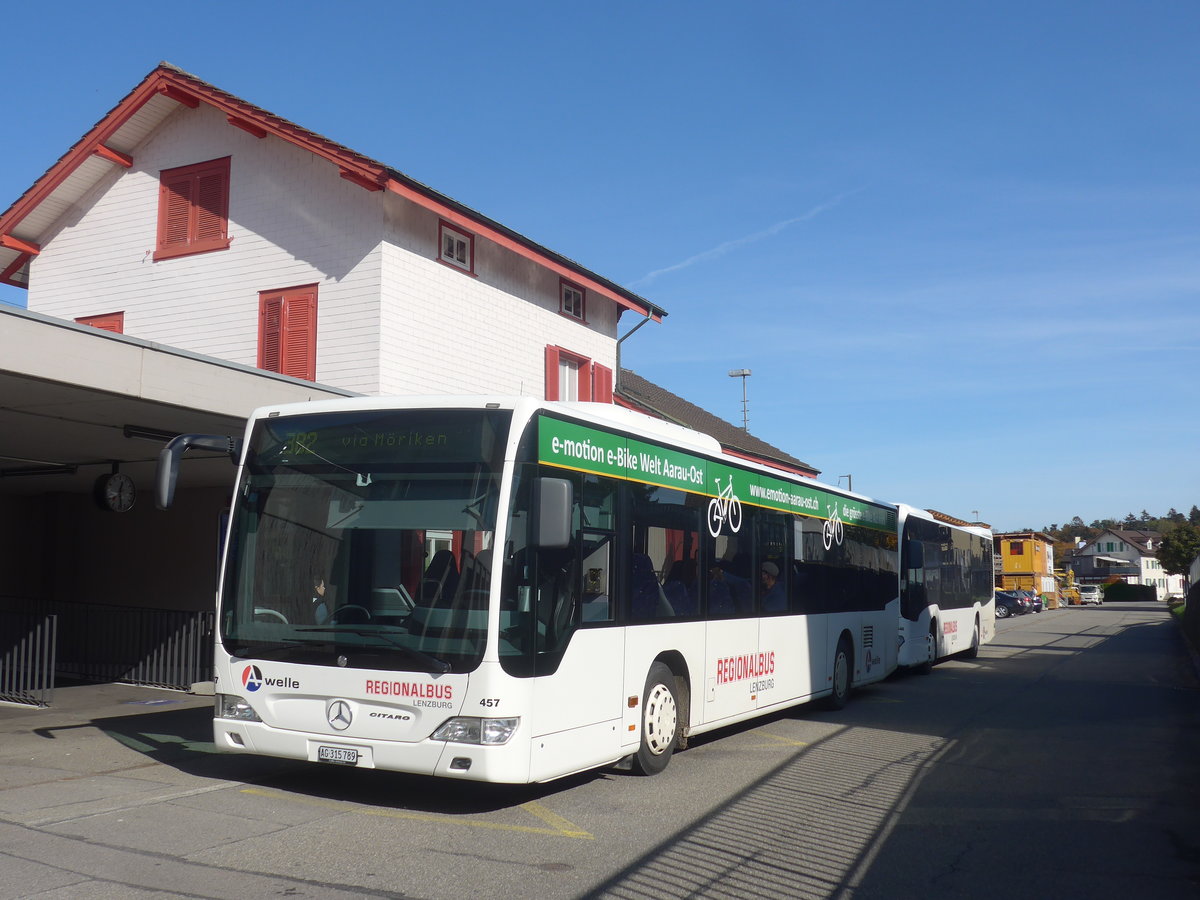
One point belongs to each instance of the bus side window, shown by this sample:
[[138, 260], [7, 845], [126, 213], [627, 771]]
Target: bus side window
[[597, 572]]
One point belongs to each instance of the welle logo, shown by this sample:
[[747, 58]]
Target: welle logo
[[252, 680]]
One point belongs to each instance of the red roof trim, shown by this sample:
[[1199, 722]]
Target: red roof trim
[[363, 181], [14, 267], [15, 243], [175, 92], [113, 156], [246, 126]]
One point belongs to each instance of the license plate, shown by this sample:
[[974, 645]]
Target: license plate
[[346, 756]]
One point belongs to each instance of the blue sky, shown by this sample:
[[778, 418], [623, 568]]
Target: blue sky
[[958, 244]]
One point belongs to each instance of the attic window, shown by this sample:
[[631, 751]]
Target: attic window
[[457, 247], [571, 300], [193, 209]]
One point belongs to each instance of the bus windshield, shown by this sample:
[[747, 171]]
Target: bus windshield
[[365, 539]]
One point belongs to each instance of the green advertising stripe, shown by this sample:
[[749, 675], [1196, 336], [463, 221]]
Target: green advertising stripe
[[568, 445]]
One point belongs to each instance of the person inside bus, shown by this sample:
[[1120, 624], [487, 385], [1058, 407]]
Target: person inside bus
[[773, 598], [320, 608], [724, 589]]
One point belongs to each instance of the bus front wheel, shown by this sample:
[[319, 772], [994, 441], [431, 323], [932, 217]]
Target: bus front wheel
[[660, 721]]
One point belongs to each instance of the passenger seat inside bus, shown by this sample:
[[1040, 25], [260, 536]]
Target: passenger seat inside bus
[[649, 601]]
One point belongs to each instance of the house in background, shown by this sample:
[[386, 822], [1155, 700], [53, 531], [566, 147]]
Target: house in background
[[191, 218], [1024, 561], [1125, 555]]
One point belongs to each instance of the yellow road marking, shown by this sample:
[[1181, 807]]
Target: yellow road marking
[[555, 821], [790, 742], [559, 827]]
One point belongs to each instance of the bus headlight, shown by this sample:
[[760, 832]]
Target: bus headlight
[[474, 730], [227, 706]]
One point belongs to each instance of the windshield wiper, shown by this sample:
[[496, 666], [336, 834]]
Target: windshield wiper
[[246, 650], [435, 665]]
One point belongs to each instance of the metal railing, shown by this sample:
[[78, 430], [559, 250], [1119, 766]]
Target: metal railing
[[153, 647], [28, 642]]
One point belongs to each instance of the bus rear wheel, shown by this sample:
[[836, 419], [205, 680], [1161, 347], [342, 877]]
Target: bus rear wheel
[[973, 651], [660, 721], [926, 667], [843, 667]]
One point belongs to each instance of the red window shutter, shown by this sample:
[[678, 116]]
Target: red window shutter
[[287, 332], [193, 209], [114, 322], [270, 333], [585, 379], [175, 216], [602, 384], [212, 200], [552, 355], [300, 336]]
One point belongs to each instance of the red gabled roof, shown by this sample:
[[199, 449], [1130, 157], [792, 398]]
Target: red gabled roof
[[171, 82]]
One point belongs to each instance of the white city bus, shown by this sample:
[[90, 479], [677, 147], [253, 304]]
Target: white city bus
[[947, 604], [514, 591]]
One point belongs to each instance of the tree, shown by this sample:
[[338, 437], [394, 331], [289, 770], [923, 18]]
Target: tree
[[1178, 548], [1194, 515]]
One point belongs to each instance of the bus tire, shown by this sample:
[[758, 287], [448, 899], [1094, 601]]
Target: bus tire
[[973, 652], [842, 675], [660, 721], [926, 667]]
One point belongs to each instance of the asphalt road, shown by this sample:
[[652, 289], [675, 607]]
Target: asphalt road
[[1063, 762]]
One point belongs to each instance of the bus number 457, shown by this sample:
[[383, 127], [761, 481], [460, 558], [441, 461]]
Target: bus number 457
[[495, 701]]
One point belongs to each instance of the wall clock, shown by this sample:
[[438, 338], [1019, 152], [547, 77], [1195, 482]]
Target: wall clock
[[115, 492]]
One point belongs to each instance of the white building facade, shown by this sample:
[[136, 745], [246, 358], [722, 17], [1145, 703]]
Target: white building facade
[[302, 257]]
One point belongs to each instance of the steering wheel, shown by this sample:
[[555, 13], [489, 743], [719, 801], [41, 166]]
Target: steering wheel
[[353, 613], [263, 613]]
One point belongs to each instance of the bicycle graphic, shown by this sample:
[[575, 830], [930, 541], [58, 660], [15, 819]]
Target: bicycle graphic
[[725, 506], [832, 529]]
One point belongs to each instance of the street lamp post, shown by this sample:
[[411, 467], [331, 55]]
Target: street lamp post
[[743, 374]]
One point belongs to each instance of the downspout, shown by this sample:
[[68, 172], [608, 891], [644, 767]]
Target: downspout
[[621, 340]]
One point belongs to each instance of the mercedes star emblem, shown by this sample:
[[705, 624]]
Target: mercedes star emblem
[[339, 715]]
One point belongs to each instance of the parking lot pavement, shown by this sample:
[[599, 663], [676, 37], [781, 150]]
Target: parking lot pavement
[[71, 775], [87, 751]]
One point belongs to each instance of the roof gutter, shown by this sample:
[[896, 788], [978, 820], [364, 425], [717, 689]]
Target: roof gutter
[[620, 341]]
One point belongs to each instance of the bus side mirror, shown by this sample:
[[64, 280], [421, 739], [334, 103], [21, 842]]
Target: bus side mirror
[[553, 499], [168, 461], [916, 554]]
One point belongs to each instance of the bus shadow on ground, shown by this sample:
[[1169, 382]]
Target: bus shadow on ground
[[182, 739]]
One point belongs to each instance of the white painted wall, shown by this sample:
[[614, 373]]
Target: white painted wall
[[447, 331]]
